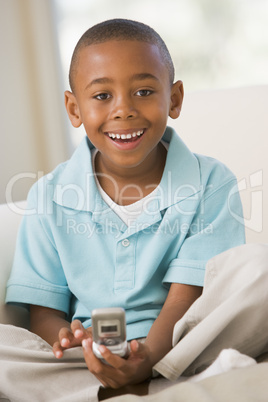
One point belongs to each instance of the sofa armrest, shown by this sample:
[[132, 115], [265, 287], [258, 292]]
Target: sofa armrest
[[10, 218], [14, 315]]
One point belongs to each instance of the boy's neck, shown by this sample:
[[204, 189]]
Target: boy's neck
[[126, 186]]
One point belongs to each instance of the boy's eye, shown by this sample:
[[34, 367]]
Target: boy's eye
[[144, 92], [102, 96]]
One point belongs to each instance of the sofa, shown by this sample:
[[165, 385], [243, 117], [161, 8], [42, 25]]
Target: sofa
[[10, 217]]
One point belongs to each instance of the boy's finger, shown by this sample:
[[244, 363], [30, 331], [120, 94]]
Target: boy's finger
[[94, 364], [139, 349], [135, 346], [77, 329], [89, 332], [113, 360], [65, 337], [57, 350]]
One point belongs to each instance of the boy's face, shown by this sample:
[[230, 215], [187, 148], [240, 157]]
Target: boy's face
[[123, 98]]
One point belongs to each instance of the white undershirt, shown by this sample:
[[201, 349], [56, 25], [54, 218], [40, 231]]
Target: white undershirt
[[128, 213]]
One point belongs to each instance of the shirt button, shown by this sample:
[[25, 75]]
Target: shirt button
[[125, 243]]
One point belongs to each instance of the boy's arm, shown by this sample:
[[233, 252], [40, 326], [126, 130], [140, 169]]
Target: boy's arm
[[179, 299], [52, 326], [143, 357], [47, 323]]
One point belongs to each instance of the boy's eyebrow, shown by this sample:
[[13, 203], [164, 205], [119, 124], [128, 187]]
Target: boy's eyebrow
[[143, 76], [103, 80], [135, 77]]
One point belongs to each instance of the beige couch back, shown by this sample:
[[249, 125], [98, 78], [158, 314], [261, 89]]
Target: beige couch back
[[232, 126]]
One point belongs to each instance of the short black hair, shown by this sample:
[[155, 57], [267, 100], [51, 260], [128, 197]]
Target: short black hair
[[121, 29]]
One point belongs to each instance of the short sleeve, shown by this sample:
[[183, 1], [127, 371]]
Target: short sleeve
[[214, 229], [37, 276]]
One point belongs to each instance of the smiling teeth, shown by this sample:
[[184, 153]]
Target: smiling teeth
[[125, 136]]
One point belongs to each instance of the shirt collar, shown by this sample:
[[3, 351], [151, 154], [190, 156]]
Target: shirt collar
[[181, 176], [76, 187]]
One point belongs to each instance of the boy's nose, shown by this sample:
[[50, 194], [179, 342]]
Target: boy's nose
[[123, 109]]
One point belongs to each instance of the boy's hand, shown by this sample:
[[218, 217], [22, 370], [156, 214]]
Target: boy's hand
[[71, 337], [119, 372]]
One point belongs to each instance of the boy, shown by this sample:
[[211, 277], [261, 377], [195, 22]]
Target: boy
[[132, 218]]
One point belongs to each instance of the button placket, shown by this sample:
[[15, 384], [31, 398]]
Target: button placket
[[125, 264]]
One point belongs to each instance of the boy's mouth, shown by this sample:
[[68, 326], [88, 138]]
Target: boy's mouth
[[126, 137]]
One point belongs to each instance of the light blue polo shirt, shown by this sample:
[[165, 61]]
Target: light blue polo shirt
[[75, 254]]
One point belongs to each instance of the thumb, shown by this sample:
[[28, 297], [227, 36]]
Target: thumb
[[138, 348]]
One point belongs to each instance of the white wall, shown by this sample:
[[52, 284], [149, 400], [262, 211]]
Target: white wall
[[32, 122]]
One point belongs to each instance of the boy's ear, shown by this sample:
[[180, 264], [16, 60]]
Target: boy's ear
[[176, 98], [72, 109]]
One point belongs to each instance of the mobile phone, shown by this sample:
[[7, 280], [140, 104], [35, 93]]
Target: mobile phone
[[109, 329]]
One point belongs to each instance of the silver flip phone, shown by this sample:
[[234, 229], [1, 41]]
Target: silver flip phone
[[109, 329]]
